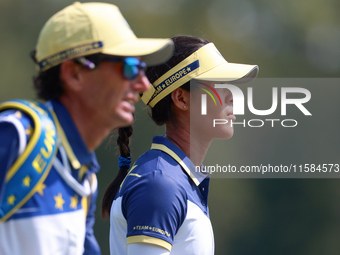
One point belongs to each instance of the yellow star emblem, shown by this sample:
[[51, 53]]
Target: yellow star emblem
[[74, 201], [11, 199], [188, 69], [26, 181], [59, 201], [40, 188]]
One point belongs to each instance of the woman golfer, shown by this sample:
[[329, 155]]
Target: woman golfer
[[160, 207]]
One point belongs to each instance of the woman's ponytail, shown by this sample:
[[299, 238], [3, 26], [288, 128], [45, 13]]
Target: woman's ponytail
[[123, 142]]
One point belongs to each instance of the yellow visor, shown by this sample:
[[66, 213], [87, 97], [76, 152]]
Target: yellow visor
[[206, 64]]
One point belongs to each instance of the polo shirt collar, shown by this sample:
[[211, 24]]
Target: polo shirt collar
[[76, 142], [163, 144]]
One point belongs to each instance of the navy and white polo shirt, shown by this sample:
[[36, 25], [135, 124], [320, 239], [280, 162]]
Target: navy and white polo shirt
[[162, 202]]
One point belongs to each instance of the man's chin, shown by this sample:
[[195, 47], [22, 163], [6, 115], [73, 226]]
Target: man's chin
[[126, 120]]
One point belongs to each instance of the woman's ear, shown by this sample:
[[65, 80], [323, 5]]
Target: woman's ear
[[181, 99], [70, 73]]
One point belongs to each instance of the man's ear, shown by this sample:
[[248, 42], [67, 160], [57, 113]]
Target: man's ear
[[70, 73], [181, 99]]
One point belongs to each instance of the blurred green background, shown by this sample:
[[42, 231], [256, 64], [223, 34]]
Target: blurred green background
[[286, 39]]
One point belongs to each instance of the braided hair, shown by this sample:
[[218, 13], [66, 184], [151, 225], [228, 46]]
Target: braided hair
[[123, 142]]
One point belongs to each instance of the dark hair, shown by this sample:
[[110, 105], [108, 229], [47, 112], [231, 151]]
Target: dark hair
[[48, 83], [160, 113], [184, 47], [123, 142]]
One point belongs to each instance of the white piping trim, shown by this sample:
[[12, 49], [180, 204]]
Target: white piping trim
[[64, 172], [20, 129]]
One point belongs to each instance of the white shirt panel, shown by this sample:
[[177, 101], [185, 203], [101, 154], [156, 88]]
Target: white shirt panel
[[195, 236], [57, 234], [118, 228]]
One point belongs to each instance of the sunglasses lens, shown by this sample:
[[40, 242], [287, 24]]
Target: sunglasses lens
[[131, 68]]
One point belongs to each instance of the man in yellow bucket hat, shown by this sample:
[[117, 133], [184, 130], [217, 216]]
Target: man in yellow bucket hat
[[90, 73]]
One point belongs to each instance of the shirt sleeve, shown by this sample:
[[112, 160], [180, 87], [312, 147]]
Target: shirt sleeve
[[155, 208], [9, 146]]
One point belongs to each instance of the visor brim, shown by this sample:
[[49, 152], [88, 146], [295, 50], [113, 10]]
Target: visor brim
[[238, 73]]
